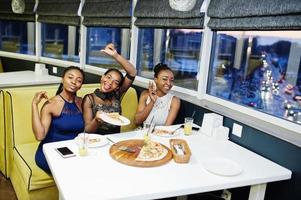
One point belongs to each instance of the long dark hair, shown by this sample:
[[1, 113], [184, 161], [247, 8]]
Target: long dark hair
[[160, 67], [116, 70], [60, 89]]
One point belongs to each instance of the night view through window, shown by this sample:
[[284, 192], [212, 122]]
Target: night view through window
[[60, 41], [17, 37], [98, 38], [260, 70], [178, 48]]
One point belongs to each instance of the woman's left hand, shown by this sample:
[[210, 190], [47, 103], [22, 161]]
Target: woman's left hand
[[110, 50]]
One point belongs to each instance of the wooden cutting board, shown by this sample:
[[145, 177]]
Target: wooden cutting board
[[129, 158]]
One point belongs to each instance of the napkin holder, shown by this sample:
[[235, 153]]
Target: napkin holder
[[180, 158], [210, 122], [40, 69], [221, 133]]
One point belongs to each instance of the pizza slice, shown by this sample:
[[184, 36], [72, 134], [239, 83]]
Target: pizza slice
[[152, 151]]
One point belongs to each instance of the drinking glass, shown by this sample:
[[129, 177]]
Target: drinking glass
[[147, 129], [83, 141], [188, 121]]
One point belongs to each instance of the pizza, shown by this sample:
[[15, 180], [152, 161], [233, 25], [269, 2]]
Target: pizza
[[114, 115], [163, 132], [152, 151], [94, 140]]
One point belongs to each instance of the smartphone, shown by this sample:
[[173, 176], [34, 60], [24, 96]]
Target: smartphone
[[65, 152], [193, 128]]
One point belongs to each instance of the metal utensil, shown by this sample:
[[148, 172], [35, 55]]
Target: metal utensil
[[123, 148], [172, 132]]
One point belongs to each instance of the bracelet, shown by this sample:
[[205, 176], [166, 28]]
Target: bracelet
[[130, 77]]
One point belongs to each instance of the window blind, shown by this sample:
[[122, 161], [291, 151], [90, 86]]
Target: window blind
[[6, 12], [254, 14], [159, 14], [107, 13], [59, 12]]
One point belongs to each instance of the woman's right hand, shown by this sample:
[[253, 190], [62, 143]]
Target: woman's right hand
[[38, 97], [152, 90], [110, 50]]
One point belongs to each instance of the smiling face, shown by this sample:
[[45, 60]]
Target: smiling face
[[73, 80], [164, 81], [110, 82]]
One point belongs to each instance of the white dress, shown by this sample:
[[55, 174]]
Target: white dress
[[160, 110]]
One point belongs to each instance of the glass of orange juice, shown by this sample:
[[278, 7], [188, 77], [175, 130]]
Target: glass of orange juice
[[83, 140], [188, 121]]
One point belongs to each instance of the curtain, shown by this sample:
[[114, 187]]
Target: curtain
[[107, 13], [254, 14], [6, 12], [59, 12], [159, 14]]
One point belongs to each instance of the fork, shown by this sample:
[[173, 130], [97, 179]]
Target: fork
[[123, 148], [172, 132]]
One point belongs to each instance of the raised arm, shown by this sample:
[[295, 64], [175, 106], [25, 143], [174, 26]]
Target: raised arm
[[173, 112], [40, 122], [127, 66], [143, 109]]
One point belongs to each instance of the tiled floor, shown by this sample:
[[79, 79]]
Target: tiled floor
[[6, 189]]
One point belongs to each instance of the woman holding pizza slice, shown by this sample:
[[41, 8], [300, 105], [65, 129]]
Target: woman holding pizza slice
[[106, 99]]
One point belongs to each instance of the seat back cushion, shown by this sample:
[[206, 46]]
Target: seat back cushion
[[129, 104], [20, 109], [2, 135]]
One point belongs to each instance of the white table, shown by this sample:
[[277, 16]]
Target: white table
[[26, 78], [98, 176]]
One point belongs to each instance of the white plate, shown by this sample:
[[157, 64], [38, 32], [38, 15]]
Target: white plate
[[95, 140], [122, 121], [166, 128], [222, 167]]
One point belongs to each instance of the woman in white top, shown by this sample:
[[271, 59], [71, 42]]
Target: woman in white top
[[157, 103]]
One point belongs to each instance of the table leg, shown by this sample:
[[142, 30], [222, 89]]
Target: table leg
[[182, 197], [257, 192]]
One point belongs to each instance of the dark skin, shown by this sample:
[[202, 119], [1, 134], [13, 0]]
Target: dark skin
[[160, 87], [108, 83]]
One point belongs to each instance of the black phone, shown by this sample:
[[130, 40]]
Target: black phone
[[65, 152], [193, 128]]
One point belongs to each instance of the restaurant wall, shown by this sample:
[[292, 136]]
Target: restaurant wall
[[12, 64]]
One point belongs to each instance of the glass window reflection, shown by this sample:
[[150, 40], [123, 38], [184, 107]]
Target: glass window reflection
[[17, 37], [260, 70], [178, 48], [60, 42], [99, 37]]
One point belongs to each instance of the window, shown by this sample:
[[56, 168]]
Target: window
[[60, 42], [258, 69], [17, 37], [98, 38], [178, 48]]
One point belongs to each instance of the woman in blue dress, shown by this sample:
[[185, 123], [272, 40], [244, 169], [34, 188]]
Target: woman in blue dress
[[61, 116]]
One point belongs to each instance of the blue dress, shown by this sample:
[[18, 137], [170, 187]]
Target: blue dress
[[64, 127]]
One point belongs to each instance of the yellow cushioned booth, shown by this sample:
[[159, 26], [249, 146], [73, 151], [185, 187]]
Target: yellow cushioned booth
[[29, 181], [2, 135]]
